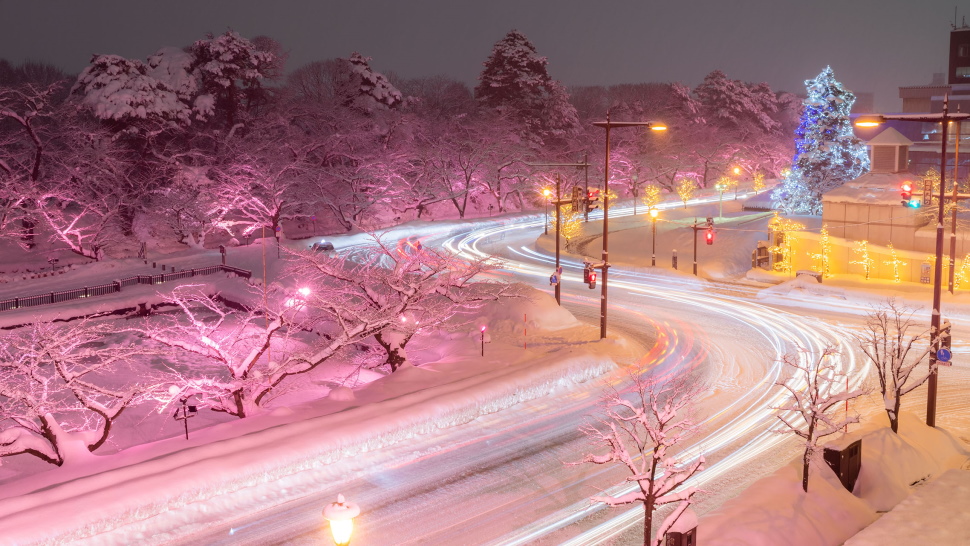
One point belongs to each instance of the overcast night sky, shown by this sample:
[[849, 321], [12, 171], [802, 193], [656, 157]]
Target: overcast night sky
[[873, 45]]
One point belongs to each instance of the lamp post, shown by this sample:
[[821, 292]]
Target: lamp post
[[720, 187], [653, 126], [654, 211], [341, 516], [943, 118], [546, 192]]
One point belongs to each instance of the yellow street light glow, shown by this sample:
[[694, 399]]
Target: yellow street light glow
[[658, 127], [869, 121], [547, 192], [654, 213]]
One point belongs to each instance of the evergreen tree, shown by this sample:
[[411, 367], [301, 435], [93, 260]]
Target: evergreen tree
[[827, 153], [515, 81]]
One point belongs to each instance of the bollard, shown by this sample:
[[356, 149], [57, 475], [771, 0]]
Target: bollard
[[673, 259]]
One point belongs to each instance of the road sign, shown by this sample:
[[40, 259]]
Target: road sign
[[943, 356], [554, 279]]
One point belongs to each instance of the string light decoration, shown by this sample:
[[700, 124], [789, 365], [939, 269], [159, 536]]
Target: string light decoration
[[895, 262], [827, 152], [825, 255], [651, 196], [962, 273], [686, 188], [785, 230], [572, 222], [862, 249], [946, 263], [758, 183]]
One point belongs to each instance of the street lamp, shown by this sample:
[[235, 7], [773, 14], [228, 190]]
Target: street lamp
[[721, 187], [546, 192], [341, 516], [654, 211], [943, 118], [653, 126]]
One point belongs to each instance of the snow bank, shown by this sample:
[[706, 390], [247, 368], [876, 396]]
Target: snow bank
[[775, 510]]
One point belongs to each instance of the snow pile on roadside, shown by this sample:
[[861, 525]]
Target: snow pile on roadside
[[775, 510]]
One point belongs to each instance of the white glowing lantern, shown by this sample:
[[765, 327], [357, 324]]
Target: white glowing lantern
[[304, 291], [341, 516]]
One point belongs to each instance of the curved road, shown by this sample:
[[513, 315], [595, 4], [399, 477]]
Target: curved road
[[502, 479]]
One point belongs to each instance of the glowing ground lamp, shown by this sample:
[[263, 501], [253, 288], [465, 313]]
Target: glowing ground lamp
[[483, 341], [654, 211], [341, 516]]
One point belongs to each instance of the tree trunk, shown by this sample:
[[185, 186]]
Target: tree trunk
[[394, 349], [806, 459], [894, 416], [647, 523]]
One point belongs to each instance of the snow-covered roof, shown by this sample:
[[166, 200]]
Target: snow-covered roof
[[890, 137], [870, 188]]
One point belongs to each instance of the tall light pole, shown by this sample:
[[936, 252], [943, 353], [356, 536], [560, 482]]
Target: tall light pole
[[654, 211], [943, 118], [653, 126], [546, 192]]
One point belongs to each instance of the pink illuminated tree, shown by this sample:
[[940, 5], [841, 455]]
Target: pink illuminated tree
[[62, 388], [641, 430]]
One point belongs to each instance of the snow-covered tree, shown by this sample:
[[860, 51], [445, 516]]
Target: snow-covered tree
[[128, 90], [827, 153], [364, 89], [813, 396], [216, 75], [893, 350], [231, 69], [515, 80], [396, 292], [644, 434], [61, 388]]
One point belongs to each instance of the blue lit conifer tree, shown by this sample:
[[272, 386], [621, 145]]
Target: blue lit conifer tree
[[827, 153]]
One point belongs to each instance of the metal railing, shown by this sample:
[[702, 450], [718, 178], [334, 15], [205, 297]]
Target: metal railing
[[116, 286]]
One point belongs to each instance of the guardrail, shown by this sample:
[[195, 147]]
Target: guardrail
[[116, 286]]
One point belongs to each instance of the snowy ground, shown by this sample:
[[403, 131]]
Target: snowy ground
[[154, 479]]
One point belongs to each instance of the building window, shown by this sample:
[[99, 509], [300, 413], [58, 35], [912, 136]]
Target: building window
[[963, 71], [963, 50]]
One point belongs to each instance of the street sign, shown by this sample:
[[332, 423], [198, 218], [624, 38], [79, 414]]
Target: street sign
[[554, 279], [943, 356]]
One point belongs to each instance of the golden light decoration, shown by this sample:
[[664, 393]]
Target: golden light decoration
[[895, 262], [686, 189], [963, 273], [825, 255], [862, 248], [758, 184], [785, 230], [651, 195]]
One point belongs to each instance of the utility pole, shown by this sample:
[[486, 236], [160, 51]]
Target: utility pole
[[652, 125]]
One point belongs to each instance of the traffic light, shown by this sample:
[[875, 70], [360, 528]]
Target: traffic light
[[709, 236], [592, 279], [906, 193], [592, 197], [587, 272], [575, 201]]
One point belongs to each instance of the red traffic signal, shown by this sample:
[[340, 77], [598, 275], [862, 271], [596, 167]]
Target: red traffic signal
[[592, 279], [906, 193], [587, 273], [709, 236]]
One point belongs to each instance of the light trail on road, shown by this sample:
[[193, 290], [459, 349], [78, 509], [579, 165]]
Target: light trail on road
[[501, 479]]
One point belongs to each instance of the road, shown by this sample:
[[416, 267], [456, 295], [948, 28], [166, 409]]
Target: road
[[502, 479]]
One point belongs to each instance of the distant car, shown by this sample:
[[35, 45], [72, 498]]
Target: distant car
[[322, 246]]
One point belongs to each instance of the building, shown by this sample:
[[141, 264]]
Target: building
[[955, 86]]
